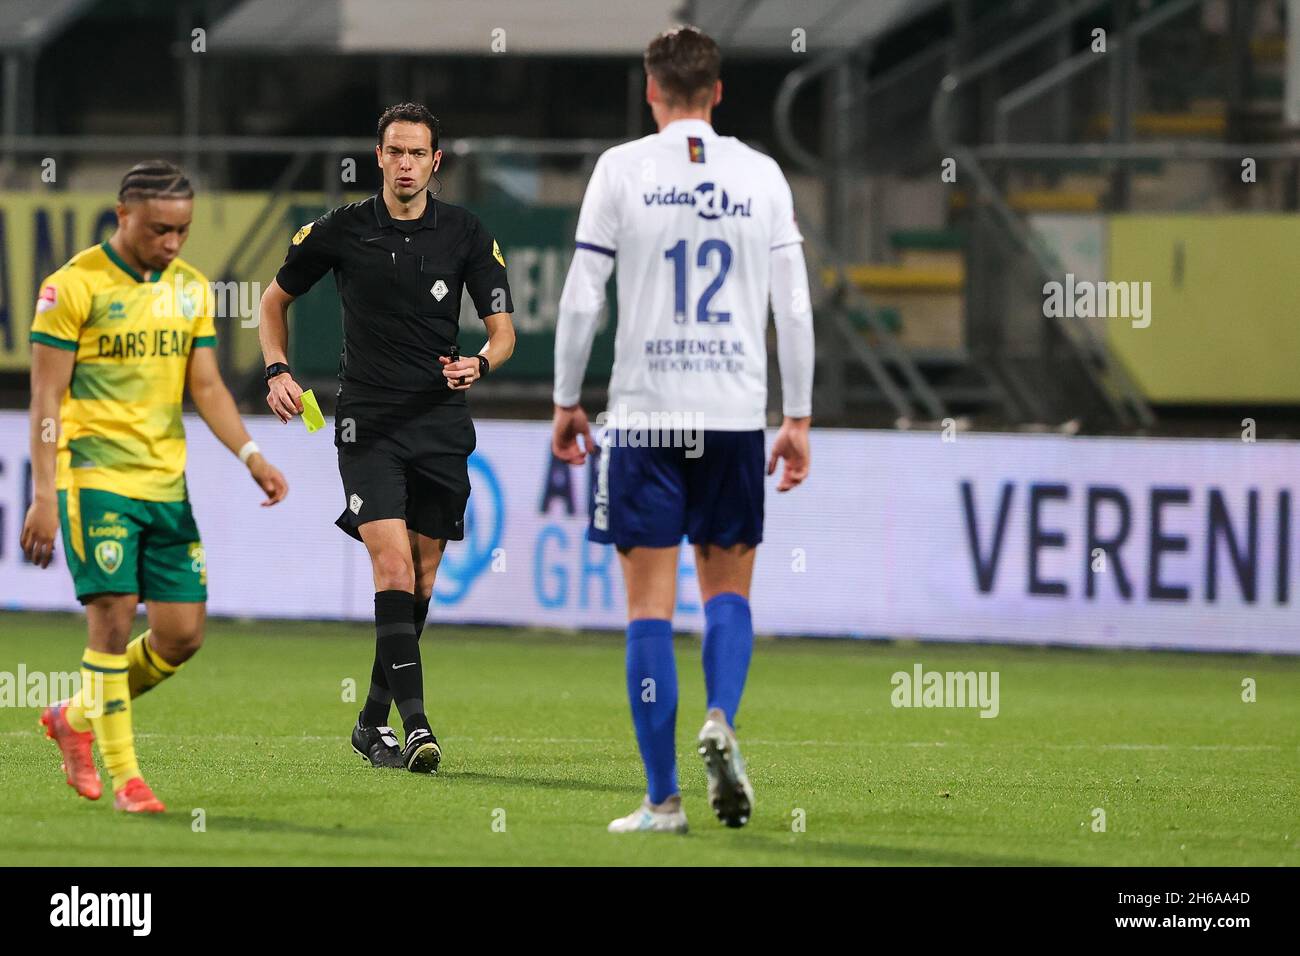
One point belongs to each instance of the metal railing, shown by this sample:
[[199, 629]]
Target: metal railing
[[204, 156], [1086, 356], [304, 158], [876, 361], [851, 105]]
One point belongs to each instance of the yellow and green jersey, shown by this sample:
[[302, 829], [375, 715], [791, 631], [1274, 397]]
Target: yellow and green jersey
[[121, 417]]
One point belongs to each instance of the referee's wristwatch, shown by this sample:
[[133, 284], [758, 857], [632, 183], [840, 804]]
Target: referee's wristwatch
[[274, 369], [483, 365]]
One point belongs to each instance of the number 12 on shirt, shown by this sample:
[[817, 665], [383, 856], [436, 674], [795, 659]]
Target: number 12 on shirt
[[678, 255]]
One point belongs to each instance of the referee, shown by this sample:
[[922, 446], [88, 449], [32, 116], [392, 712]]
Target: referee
[[403, 430]]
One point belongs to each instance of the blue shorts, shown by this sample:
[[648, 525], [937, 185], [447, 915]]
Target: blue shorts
[[652, 497]]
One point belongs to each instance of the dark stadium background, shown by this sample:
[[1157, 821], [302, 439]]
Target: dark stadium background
[[856, 136], [950, 160]]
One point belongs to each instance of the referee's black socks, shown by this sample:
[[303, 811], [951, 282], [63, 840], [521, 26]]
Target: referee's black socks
[[375, 711], [421, 615], [398, 653]]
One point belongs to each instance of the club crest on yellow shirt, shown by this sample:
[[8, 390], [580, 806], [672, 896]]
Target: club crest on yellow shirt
[[301, 234], [108, 555], [189, 305], [496, 254]]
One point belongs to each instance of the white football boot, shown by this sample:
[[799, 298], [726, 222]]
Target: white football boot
[[730, 793], [649, 819]]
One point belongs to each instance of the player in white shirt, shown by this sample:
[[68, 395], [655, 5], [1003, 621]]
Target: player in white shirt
[[703, 232]]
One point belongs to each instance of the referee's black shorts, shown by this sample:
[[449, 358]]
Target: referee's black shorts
[[408, 462]]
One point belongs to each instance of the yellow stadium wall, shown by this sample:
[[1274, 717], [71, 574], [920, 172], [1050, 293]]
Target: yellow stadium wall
[[38, 233], [1223, 327], [1223, 307]]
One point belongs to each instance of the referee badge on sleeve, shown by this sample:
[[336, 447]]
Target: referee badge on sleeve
[[496, 254], [301, 234]]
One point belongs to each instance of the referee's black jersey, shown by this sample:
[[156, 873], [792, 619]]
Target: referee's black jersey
[[400, 284]]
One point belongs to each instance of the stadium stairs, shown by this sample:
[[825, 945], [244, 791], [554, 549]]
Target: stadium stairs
[[915, 292]]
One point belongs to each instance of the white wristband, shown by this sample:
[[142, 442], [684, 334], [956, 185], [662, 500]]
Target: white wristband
[[248, 451]]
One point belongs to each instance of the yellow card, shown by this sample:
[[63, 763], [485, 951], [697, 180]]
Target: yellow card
[[311, 413]]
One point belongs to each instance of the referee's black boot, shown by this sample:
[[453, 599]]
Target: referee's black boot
[[377, 746], [422, 754]]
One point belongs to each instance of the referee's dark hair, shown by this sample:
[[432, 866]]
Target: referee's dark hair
[[154, 179], [408, 113], [686, 63]]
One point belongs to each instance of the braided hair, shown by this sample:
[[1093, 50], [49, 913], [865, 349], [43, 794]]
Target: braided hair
[[154, 179]]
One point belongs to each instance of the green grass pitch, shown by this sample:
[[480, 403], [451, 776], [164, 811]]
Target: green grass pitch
[[537, 736]]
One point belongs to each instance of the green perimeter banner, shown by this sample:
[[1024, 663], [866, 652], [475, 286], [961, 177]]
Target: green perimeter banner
[[537, 243], [39, 233]]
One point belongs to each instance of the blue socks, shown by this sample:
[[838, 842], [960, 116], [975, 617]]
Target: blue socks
[[652, 681], [728, 646], [652, 691]]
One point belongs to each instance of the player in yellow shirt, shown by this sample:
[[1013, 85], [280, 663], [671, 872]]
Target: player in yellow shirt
[[120, 331]]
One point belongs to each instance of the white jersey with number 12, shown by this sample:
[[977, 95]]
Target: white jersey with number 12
[[691, 219]]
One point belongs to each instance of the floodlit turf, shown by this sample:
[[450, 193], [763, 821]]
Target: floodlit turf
[[536, 736]]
